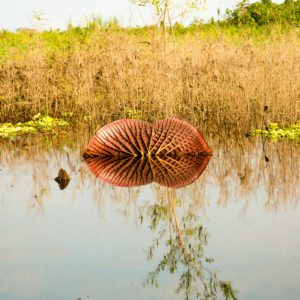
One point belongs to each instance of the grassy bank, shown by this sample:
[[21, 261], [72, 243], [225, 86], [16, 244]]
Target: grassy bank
[[228, 77]]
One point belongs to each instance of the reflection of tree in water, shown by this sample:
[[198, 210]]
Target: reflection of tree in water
[[186, 240]]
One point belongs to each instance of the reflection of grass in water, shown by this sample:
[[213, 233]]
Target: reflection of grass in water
[[238, 169], [39, 123], [274, 132]]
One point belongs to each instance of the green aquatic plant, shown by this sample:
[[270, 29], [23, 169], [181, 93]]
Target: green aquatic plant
[[68, 114], [274, 132], [11, 130], [134, 114], [87, 118], [38, 123]]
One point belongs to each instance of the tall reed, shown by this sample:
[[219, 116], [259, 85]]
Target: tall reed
[[215, 82]]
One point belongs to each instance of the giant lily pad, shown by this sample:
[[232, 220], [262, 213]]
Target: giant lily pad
[[128, 153]]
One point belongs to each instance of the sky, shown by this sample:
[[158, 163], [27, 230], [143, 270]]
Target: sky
[[16, 14]]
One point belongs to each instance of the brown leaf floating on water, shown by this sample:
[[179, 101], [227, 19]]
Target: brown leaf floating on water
[[121, 138], [62, 179], [128, 153], [177, 137]]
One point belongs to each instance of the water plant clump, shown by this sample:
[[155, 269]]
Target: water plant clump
[[38, 123], [274, 132]]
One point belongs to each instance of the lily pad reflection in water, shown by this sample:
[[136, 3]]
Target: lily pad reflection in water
[[173, 172]]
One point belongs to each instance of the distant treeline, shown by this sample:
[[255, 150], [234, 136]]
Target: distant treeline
[[261, 14], [264, 12]]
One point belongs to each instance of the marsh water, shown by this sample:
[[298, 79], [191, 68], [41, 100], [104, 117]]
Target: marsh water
[[232, 234]]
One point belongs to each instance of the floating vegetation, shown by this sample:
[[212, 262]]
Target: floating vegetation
[[134, 114], [38, 123], [87, 118], [62, 179], [68, 114], [274, 132]]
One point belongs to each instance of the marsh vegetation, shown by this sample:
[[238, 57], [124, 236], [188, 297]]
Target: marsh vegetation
[[231, 234], [240, 74]]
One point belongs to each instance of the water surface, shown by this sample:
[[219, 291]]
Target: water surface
[[233, 230]]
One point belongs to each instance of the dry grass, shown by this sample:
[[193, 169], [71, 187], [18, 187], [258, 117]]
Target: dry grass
[[115, 75]]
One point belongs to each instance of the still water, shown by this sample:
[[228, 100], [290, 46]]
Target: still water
[[233, 233]]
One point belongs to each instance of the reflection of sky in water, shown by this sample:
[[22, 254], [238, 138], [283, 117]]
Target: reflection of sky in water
[[79, 245], [259, 251]]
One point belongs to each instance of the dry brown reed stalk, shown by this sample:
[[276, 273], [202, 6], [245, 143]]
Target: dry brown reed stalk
[[213, 83]]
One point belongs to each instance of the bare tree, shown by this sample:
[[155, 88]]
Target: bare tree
[[168, 11]]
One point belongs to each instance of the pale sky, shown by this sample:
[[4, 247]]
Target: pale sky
[[19, 13]]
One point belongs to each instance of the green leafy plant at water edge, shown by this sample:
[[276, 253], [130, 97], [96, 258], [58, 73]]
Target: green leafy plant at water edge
[[39, 123], [87, 118], [274, 132], [134, 114]]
